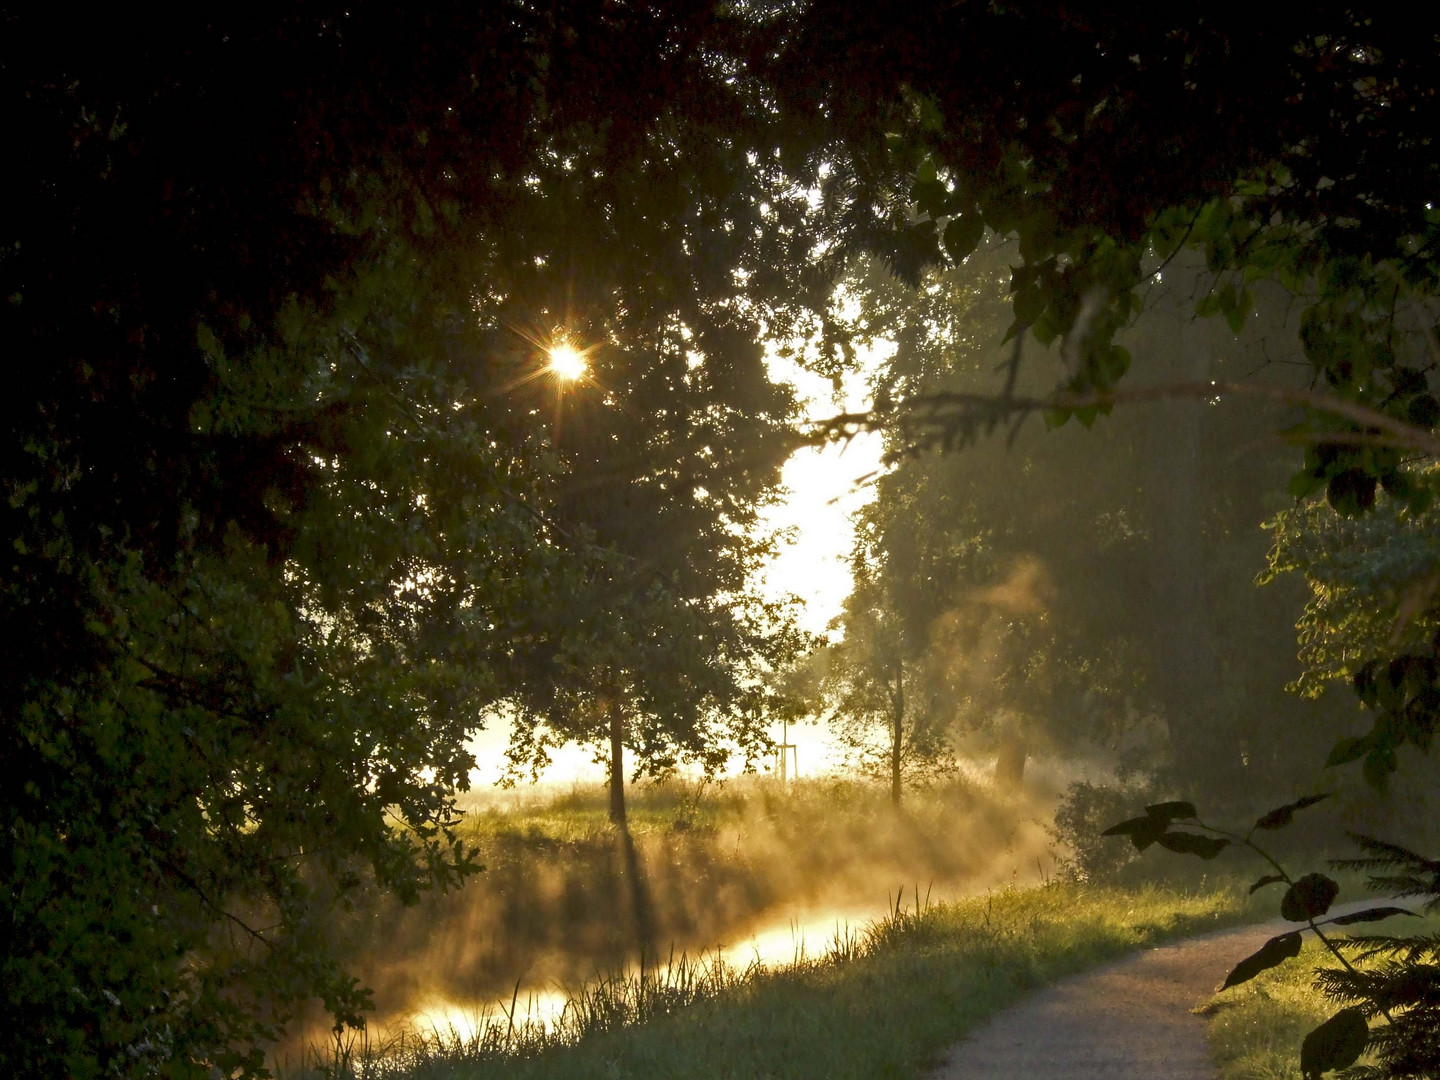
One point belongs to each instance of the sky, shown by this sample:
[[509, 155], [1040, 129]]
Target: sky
[[823, 487]]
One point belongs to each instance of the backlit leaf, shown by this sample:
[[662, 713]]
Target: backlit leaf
[[1142, 831], [1375, 914], [1335, 1044], [962, 235], [1187, 843], [1309, 898], [1268, 879], [1283, 815], [1273, 953]]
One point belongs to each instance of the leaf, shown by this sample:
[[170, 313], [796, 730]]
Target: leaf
[[1268, 879], [1374, 914], [1379, 764], [1029, 304], [1142, 831], [1283, 815], [1335, 1044], [929, 195], [1346, 751], [1188, 843], [1044, 331], [1309, 897], [1172, 810], [962, 235], [1273, 953], [1423, 411], [1351, 492]]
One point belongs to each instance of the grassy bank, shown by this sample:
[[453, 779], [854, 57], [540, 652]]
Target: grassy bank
[[884, 1003], [1256, 1029]]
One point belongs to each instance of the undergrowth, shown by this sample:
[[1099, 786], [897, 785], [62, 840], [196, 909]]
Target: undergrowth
[[1256, 1030]]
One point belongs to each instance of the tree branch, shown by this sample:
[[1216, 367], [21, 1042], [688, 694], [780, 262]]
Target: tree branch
[[947, 412]]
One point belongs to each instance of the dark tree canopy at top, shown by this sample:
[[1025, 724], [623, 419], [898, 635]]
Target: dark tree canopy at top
[[1116, 113]]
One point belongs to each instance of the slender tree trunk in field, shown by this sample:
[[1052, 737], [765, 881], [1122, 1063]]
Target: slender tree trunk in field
[[1189, 672], [897, 733], [617, 762], [1010, 764]]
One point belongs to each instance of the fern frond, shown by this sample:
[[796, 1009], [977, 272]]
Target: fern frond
[[1394, 870]]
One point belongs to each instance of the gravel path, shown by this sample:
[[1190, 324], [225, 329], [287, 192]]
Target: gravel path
[[1131, 1020]]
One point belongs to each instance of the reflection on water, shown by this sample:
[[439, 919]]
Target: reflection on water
[[806, 934], [536, 1006], [802, 936]]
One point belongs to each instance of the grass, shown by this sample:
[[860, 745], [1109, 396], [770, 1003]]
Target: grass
[[886, 1002], [1256, 1029], [581, 813], [565, 896]]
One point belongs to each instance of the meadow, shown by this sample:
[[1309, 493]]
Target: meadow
[[565, 897]]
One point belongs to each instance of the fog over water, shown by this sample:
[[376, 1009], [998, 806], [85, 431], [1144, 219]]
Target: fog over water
[[764, 873]]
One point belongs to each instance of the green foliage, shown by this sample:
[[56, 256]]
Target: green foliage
[[1371, 619], [1080, 825], [1254, 1029], [868, 680], [287, 515], [972, 579], [283, 518], [1369, 580], [1073, 593]]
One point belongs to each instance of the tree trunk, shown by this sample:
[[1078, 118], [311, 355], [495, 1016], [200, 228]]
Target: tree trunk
[[897, 733], [1189, 672], [617, 762], [1010, 764]]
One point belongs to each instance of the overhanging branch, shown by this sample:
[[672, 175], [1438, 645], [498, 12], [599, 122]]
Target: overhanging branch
[[951, 419]]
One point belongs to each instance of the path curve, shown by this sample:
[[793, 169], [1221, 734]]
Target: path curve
[[1129, 1020]]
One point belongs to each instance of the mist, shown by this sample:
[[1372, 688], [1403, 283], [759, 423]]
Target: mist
[[748, 866]]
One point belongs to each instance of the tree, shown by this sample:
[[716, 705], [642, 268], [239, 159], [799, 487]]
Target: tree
[[282, 528], [870, 678], [1296, 154], [1063, 586], [668, 452], [1278, 159]]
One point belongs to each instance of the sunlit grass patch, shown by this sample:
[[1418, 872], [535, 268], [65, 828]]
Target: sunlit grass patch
[[1256, 1029]]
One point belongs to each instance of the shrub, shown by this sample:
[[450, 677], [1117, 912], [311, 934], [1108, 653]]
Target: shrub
[[1084, 812]]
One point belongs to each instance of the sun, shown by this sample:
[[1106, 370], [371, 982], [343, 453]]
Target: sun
[[567, 363]]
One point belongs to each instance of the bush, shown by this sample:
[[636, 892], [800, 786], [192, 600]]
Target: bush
[[1085, 811]]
